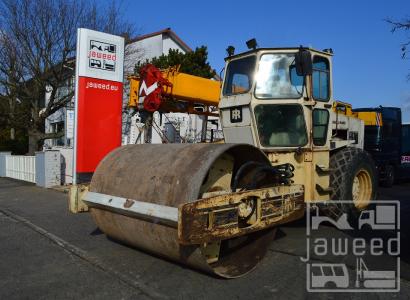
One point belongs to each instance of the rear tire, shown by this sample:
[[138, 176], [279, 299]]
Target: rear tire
[[353, 178]]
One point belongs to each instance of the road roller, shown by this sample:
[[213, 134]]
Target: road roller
[[216, 207]]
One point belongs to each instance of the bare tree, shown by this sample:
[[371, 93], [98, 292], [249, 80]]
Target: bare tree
[[37, 55], [403, 25], [8, 83]]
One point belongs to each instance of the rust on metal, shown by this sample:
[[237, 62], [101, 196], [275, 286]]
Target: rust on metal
[[128, 203], [219, 217]]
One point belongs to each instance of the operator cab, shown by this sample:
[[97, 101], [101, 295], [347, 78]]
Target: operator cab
[[271, 97]]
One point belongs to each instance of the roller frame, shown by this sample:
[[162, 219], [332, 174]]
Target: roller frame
[[197, 222]]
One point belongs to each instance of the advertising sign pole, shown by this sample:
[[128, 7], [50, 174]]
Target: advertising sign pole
[[98, 100], [77, 67]]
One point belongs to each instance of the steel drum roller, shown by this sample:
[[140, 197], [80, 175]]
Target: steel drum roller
[[171, 175]]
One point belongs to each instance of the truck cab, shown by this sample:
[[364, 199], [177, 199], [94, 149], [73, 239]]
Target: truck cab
[[383, 140]]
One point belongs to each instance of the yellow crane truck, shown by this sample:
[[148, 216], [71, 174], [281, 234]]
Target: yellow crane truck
[[216, 207]]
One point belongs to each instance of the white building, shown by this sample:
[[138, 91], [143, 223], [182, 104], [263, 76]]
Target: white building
[[152, 45]]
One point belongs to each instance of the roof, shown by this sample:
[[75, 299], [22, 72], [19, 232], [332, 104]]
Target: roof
[[380, 108], [167, 31], [276, 49]]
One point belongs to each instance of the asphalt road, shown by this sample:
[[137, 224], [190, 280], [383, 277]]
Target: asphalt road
[[48, 253]]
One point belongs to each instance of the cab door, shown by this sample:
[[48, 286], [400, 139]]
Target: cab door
[[320, 117]]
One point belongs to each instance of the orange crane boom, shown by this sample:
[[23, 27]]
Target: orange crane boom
[[179, 92]]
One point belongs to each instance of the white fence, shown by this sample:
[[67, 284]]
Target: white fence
[[21, 167]]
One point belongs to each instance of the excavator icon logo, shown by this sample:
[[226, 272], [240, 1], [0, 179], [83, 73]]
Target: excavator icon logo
[[341, 223]]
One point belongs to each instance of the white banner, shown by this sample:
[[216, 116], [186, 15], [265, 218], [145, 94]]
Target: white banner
[[69, 128]]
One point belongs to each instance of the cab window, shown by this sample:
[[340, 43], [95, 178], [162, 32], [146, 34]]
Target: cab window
[[321, 78], [320, 125], [281, 125], [239, 76]]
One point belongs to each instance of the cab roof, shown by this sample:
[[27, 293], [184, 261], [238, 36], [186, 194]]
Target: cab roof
[[277, 49]]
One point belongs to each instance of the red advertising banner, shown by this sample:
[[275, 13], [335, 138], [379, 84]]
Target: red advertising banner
[[99, 121], [98, 105]]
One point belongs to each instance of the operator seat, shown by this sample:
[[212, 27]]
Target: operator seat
[[291, 135], [280, 138]]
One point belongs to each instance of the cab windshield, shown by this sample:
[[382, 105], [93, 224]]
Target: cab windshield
[[277, 78]]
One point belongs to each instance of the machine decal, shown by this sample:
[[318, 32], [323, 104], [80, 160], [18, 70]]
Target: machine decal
[[236, 114]]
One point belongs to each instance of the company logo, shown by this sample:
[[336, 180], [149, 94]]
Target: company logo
[[236, 114], [102, 56], [101, 86], [405, 159], [362, 257], [145, 91]]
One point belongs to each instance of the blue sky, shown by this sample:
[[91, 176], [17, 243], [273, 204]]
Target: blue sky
[[368, 69]]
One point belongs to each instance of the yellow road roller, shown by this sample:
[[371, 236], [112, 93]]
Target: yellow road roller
[[216, 207]]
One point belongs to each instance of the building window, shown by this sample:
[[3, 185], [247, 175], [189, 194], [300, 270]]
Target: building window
[[55, 128]]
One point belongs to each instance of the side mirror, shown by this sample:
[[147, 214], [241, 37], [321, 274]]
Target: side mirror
[[303, 62]]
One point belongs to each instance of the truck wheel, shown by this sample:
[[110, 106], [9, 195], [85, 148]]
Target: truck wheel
[[388, 180], [353, 178]]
